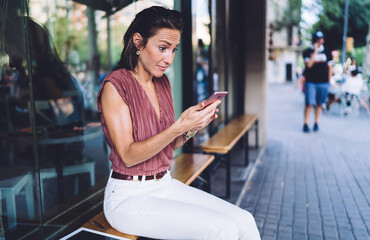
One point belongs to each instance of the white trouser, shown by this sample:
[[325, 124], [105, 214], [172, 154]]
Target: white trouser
[[169, 209]]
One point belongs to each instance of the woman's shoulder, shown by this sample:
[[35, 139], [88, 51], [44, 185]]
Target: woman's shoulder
[[119, 74], [121, 79]]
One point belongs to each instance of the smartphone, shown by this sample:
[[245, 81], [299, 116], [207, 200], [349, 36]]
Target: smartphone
[[214, 97]]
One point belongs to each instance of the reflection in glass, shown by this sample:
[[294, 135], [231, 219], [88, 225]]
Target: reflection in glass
[[51, 67], [17, 196], [202, 20], [64, 111]]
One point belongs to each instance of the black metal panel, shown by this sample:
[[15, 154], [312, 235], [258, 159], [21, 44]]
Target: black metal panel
[[187, 56], [187, 63], [238, 38]]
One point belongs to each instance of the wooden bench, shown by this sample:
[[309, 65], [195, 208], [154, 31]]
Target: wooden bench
[[186, 168], [223, 141]]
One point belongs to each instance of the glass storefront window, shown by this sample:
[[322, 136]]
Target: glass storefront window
[[52, 149], [202, 21], [72, 155], [210, 59], [219, 59], [18, 184]]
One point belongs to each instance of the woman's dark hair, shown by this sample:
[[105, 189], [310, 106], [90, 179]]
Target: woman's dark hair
[[147, 22]]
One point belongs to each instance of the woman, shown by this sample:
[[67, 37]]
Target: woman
[[138, 121]]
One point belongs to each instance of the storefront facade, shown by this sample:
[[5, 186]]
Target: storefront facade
[[53, 57]]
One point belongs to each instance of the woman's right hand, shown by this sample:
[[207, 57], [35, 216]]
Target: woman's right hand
[[198, 116]]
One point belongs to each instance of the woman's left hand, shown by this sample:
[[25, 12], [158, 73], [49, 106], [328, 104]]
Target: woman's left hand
[[198, 116]]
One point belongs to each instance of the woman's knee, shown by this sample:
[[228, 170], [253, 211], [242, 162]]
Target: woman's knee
[[248, 227], [248, 217], [224, 229]]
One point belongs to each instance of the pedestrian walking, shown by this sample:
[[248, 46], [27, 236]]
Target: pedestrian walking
[[318, 71]]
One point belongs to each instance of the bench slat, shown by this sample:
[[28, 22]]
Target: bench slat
[[99, 221], [226, 138], [185, 168]]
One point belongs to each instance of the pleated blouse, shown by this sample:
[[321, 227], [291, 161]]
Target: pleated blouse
[[145, 122]]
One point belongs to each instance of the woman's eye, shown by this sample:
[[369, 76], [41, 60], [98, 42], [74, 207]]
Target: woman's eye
[[175, 50], [162, 48]]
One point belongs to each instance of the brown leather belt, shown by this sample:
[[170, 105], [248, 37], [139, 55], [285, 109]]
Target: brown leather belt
[[157, 176]]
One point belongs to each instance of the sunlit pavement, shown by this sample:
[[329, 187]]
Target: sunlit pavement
[[311, 185]]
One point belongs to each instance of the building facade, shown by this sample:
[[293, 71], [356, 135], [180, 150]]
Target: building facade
[[283, 41]]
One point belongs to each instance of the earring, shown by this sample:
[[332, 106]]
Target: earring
[[138, 52]]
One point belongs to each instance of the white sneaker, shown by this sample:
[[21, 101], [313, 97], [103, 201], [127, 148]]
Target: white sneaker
[[347, 111]]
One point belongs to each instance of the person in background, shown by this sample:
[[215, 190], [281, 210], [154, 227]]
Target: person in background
[[333, 96], [50, 76], [137, 116], [352, 89], [318, 71], [352, 66]]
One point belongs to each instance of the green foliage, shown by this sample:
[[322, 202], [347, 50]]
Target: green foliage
[[69, 39], [117, 41], [82, 45], [59, 36], [291, 16], [359, 54], [331, 21]]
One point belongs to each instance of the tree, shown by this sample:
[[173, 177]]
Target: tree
[[288, 18], [366, 63], [331, 21], [291, 16]]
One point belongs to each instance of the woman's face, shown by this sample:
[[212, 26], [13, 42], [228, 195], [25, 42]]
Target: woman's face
[[159, 52]]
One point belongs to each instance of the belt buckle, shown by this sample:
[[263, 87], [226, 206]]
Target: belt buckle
[[155, 177]]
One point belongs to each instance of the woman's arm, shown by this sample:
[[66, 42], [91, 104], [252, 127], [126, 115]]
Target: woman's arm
[[179, 142], [118, 119]]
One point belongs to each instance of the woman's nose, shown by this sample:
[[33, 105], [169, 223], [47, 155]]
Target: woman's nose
[[168, 59]]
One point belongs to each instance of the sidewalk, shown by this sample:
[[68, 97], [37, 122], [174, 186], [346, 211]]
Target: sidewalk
[[315, 185]]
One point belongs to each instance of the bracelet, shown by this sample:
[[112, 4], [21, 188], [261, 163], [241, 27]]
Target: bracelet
[[190, 134]]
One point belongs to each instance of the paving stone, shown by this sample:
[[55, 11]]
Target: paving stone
[[361, 235], [284, 235], [345, 234], [299, 236], [268, 237], [300, 229], [332, 235], [314, 237]]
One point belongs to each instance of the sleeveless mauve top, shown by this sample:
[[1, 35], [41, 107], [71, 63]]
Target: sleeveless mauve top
[[145, 122]]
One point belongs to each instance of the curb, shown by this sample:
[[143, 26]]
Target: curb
[[248, 181]]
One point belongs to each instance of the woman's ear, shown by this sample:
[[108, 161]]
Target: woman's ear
[[137, 40]]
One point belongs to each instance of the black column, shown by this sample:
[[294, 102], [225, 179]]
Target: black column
[[188, 91]]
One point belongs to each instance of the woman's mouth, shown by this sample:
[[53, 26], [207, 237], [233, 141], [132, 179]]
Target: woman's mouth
[[162, 68]]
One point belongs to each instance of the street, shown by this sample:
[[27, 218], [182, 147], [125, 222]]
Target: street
[[311, 185]]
